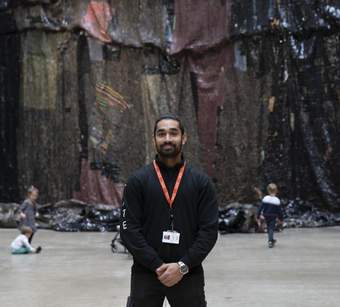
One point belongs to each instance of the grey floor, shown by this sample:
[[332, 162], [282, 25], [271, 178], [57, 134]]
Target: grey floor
[[78, 269]]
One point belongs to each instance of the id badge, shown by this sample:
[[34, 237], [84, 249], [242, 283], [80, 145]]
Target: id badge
[[171, 237]]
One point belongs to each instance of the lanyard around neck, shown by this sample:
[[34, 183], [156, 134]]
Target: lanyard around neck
[[162, 183]]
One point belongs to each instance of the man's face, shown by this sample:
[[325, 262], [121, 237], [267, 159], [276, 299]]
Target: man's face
[[169, 138]]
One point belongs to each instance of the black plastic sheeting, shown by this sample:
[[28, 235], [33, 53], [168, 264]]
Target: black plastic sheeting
[[71, 216], [68, 216], [294, 16], [297, 44], [231, 220], [85, 218], [302, 149], [303, 214], [241, 218], [8, 215]]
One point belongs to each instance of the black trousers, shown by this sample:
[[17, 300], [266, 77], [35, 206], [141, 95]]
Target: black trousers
[[271, 224], [148, 291]]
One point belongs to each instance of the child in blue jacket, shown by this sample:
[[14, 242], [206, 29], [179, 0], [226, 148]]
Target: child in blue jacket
[[271, 210]]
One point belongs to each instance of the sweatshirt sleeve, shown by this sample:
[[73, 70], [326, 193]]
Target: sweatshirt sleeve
[[27, 244], [208, 226], [260, 210], [23, 207], [131, 227]]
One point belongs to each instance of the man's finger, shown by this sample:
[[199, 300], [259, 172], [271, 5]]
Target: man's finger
[[167, 282], [164, 277], [161, 269], [170, 282]]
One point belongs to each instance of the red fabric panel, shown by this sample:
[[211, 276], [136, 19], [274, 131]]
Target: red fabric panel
[[210, 75], [202, 28], [97, 19], [95, 188], [200, 24]]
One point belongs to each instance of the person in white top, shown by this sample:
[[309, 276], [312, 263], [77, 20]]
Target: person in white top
[[21, 244]]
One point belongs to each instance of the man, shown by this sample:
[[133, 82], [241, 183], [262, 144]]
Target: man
[[169, 224]]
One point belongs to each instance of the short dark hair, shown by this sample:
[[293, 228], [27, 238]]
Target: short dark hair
[[169, 116]]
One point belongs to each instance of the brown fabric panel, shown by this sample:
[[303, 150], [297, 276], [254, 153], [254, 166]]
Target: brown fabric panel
[[137, 22], [200, 24], [48, 131], [241, 132]]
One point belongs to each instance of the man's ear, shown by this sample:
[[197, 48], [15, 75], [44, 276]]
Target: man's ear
[[184, 139]]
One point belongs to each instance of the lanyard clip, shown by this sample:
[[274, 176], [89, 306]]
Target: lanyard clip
[[172, 220]]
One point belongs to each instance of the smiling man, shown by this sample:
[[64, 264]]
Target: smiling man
[[169, 224]]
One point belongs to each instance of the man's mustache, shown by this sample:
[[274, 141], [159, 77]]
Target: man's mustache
[[167, 144]]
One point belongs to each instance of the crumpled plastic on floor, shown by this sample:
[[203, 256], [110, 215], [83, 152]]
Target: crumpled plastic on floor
[[8, 213], [86, 218], [101, 220], [303, 214], [241, 218], [237, 217], [73, 215]]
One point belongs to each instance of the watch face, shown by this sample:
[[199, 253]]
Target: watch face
[[184, 269]]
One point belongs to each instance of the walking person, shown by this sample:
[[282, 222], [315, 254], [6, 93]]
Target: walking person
[[169, 224], [270, 210], [28, 210]]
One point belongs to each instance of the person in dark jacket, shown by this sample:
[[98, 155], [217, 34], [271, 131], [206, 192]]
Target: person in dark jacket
[[169, 224], [28, 210], [271, 210]]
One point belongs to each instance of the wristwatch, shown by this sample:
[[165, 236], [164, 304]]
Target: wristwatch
[[183, 268]]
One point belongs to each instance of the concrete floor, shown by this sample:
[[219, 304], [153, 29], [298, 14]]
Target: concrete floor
[[79, 269]]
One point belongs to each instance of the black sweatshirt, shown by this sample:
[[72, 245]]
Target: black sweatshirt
[[146, 214]]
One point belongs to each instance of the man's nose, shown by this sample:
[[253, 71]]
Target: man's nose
[[168, 137]]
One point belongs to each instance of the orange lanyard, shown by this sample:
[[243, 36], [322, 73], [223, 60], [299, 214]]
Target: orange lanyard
[[162, 183]]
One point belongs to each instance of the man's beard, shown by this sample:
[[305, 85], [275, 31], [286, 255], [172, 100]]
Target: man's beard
[[172, 151]]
